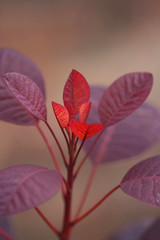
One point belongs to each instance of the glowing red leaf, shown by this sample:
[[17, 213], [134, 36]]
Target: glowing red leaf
[[76, 90], [25, 186], [21, 98], [84, 130], [70, 110], [84, 111], [143, 181], [61, 114], [124, 96]]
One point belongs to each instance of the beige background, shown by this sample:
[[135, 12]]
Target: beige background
[[103, 40]]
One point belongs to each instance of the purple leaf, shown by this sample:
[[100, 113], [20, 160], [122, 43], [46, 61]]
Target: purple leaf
[[127, 138], [124, 96], [133, 232], [153, 232], [143, 181], [27, 98], [5, 225], [14, 61], [25, 186]]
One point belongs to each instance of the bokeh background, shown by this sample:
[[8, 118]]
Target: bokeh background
[[103, 39]]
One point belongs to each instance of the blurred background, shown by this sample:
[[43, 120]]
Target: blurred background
[[103, 39]]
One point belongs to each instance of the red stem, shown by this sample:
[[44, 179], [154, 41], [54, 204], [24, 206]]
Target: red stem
[[47, 221], [58, 144], [87, 154], [49, 147], [78, 219], [5, 235]]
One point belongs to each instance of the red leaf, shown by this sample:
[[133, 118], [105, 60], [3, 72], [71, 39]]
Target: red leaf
[[14, 61], [25, 186], [124, 96], [22, 99], [84, 111], [143, 181], [70, 110], [61, 114], [76, 90], [84, 130]]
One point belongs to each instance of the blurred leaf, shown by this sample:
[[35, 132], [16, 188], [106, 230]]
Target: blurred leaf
[[143, 181], [127, 138], [153, 232], [132, 232], [14, 61], [5, 224], [19, 96], [124, 96], [25, 186]]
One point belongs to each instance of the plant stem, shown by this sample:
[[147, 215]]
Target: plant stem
[[49, 147], [58, 144], [66, 230], [78, 219], [47, 221], [5, 235], [87, 154]]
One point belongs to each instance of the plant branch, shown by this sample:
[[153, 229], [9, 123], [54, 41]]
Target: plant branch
[[5, 235], [87, 154], [78, 219], [49, 147], [47, 221], [58, 144]]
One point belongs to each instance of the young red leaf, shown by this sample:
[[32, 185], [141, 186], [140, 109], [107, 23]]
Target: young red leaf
[[61, 114], [21, 98], [84, 111], [70, 110], [14, 61], [26, 186], [116, 142], [124, 96], [143, 181], [84, 130], [76, 90]]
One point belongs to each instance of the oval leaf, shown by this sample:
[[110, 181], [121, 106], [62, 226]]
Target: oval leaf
[[127, 138], [84, 111], [61, 114], [124, 96], [76, 90], [14, 61], [25, 186], [27, 98], [153, 232], [143, 181], [84, 130]]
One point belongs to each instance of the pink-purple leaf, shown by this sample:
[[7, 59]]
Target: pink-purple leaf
[[76, 90], [124, 96], [14, 61], [143, 181], [152, 232], [21, 98], [127, 138], [26, 186]]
